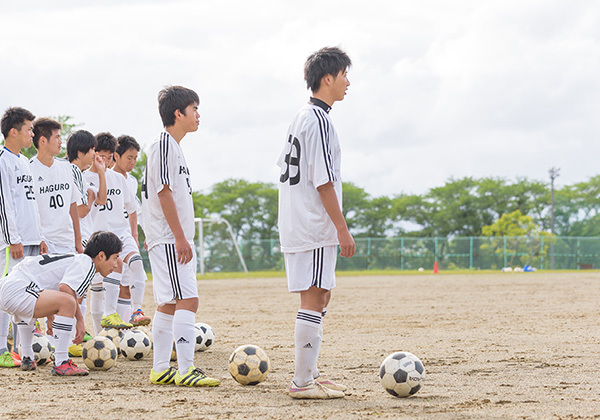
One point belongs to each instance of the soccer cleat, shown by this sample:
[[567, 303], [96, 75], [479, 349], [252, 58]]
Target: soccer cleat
[[68, 368], [87, 337], [115, 321], [314, 391], [38, 327], [138, 318], [331, 385], [10, 359], [195, 377], [28, 364], [166, 377], [75, 350]]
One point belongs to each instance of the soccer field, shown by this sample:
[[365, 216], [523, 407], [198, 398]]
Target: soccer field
[[495, 346]]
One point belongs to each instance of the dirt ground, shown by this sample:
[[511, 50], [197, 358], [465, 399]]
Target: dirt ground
[[495, 346]]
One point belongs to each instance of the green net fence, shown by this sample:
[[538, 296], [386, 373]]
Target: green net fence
[[408, 253]]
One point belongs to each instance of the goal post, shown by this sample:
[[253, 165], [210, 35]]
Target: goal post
[[200, 226]]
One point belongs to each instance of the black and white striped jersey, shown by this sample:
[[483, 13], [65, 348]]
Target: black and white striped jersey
[[19, 218], [50, 270], [166, 166], [311, 158]]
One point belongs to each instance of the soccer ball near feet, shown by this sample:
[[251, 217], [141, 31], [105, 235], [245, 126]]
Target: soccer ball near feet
[[402, 374], [99, 353], [135, 345], [205, 336], [249, 365]]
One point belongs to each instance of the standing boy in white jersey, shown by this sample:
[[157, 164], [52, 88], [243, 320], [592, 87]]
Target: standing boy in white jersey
[[55, 192], [19, 219], [117, 298], [168, 212], [125, 157], [49, 286], [311, 223]]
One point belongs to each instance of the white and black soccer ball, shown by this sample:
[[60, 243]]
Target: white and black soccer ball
[[113, 335], [135, 345], [205, 336], [42, 349], [99, 353], [249, 364], [402, 374]]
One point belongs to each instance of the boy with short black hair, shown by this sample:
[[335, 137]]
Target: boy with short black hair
[[168, 214], [311, 223], [49, 286], [19, 218], [125, 158]]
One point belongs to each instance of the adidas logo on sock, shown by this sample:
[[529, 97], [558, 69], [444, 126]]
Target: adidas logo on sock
[[55, 337], [182, 341], [307, 346]]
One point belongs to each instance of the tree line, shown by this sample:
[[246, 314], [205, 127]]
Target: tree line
[[461, 207]]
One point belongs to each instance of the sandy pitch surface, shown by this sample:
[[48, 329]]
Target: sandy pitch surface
[[495, 346]]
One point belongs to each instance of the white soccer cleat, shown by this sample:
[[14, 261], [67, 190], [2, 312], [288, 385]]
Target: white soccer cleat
[[330, 384], [314, 391]]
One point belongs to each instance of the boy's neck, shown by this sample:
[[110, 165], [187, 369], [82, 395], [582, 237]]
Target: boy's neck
[[176, 132], [323, 96], [47, 159], [119, 171], [12, 145]]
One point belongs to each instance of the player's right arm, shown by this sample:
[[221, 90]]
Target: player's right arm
[[10, 232], [332, 207], [182, 246], [101, 168]]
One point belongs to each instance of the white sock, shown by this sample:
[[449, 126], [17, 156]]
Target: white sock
[[83, 306], [4, 322], [138, 281], [97, 306], [61, 328], [112, 285], [26, 334], [307, 340], [124, 308], [185, 336], [162, 334], [315, 368]]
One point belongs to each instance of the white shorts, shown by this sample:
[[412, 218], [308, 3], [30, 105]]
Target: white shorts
[[18, 296], [171, 280], [311, 268], [129, 246]]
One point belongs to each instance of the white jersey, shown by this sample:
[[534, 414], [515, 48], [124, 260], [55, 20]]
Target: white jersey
[[48, 271], [19, 218], [310, 158], [110, 216], [132, 184], [55, 191], [85, 223], [166, 166]]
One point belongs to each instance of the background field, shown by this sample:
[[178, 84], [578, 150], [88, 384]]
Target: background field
[[495, 346]]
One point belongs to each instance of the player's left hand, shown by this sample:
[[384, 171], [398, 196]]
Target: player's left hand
[[43, 248], [79, 333], [79, 248], [49, 321]]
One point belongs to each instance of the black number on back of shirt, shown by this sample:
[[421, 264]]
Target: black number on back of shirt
[[47, 259], [29, 192], [292, 161], [108, 206]]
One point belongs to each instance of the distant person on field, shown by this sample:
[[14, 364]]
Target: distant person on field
[[311, 223]]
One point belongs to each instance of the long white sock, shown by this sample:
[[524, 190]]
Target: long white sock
[[4, 322], [162, 334], [97, 306], [137, 282], [61, 328], [26, 337], [307, 340], [124, 308], [83, 306], [315, 368], [184, 334], [112, 285]]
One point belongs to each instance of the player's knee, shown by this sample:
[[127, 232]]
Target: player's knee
[[66, 304]]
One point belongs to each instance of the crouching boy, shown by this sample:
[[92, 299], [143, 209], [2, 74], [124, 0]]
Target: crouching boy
[[50, 286]]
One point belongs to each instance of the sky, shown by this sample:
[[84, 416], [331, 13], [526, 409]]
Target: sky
[[438, 90]]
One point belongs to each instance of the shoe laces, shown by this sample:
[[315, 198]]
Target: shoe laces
[[199, 372]]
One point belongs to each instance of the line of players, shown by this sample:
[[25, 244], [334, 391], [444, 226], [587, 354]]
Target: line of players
[[51, 206]]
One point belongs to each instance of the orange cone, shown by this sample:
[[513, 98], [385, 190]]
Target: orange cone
[[435, 268]]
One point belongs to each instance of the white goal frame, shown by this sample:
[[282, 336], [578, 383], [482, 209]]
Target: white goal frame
[[200, 222]]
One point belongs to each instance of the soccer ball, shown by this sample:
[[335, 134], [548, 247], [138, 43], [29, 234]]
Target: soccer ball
[[205, 336], [249, 365], [135, 345], [401, 374], [42, 350], [99, 353], [113, 335]]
